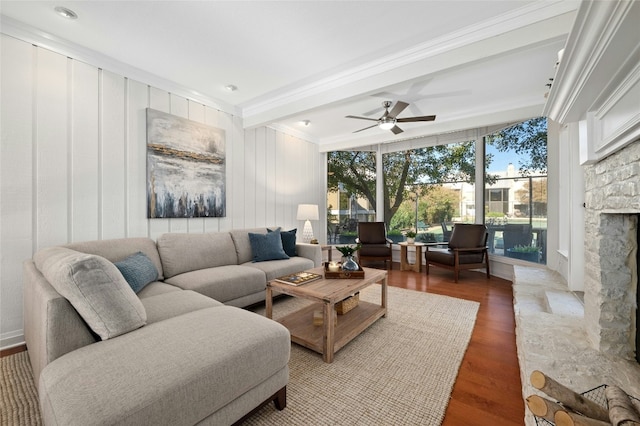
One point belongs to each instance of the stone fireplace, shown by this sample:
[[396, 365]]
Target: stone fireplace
[[612, 195]]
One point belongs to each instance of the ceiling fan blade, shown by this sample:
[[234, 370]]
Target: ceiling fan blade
[[361, 118], [396, 130], [375, 125], [398, 108], [413, 119]]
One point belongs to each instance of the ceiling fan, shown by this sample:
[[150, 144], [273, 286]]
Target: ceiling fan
[[389, 118]]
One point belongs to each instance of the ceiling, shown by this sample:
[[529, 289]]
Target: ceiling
[[472, 63]]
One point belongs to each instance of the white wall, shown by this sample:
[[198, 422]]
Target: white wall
[[73, 164]]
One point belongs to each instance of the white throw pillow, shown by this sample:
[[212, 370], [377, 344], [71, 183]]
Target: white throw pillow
[[95, 288]]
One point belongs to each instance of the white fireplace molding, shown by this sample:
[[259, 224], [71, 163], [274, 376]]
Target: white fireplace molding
[[597, 82]]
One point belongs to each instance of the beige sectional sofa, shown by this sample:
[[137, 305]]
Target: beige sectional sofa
[[179, 351]]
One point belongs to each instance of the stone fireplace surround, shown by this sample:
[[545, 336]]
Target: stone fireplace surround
[[584, 345], [612, 198]]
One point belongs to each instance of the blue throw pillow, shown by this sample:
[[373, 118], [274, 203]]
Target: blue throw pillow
[[288, 241], [138, 270], [267, 246]]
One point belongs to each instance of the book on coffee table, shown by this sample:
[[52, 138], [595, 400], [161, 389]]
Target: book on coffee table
[[299, 278]]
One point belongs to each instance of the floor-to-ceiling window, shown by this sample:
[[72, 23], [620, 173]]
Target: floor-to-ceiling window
[[516, 191], [351, 193], [431, 188], [427, 190]]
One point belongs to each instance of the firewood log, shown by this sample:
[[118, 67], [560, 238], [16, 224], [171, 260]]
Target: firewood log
[[621, 410], [567, 418], [567, 397], [636, 404], [542, 407]]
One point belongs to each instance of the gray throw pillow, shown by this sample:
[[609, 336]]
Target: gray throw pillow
[[267, 246], [138, 270], [95, 288]]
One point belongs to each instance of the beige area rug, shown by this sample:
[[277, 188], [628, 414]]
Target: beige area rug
[[18, 394], [399, 371]]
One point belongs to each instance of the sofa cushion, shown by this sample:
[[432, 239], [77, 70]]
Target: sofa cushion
[[95, 288], [288, 241], [267, 246], [241, 242], [277, 268], [189, 252], [156, 288], [137, 270], [118, 249], [168, 305], [223, 283], [173, 372]]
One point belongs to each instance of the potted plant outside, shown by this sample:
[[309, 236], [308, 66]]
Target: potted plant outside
[[527, 253], [395, 236]]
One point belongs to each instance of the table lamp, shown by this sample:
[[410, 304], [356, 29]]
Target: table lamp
[[307, 212]]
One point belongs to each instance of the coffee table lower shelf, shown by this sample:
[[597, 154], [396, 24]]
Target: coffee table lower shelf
[[349, 325]]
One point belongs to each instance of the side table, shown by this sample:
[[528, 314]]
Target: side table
[[404, 262]]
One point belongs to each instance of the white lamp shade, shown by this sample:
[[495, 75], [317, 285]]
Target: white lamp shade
[[308, 212]]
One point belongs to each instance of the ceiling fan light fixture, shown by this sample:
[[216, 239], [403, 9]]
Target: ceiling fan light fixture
[[387, 123]]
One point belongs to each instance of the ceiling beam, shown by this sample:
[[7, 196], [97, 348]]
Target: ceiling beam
[[537, 23]]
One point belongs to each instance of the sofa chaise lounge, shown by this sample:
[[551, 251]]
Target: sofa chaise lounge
[[175, 352]]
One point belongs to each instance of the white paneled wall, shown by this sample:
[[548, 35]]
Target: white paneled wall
[[73, 164]]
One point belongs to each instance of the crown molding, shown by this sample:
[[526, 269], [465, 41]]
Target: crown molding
[[530, 14], [37, 37], [601, 39]]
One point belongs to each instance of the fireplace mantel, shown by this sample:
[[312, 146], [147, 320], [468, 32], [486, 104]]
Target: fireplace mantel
[[597, 83]]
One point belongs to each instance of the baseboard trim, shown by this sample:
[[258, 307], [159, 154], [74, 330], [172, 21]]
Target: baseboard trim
[[11, 339], [13, 350]]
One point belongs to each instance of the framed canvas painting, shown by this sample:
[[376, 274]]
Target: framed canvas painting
[[185, 168]]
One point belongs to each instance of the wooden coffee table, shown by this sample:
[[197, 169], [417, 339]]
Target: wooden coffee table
[[330, 337]]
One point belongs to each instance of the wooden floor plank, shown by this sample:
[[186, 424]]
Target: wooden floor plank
[[488, 390]]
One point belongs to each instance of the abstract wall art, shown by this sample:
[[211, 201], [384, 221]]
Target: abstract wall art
[[185, 168]]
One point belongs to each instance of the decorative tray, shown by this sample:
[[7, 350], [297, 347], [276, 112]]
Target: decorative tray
[[342, 274]]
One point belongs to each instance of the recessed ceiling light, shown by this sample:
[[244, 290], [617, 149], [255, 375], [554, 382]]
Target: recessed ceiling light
[[231, 87], [66, 13], [305, 123]]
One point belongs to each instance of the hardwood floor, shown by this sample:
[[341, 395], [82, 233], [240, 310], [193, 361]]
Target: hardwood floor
[[488, 389]]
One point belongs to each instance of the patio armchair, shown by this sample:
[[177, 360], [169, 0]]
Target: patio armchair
[[375, 244], [447, 228], [516, 235], [467, 249]]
